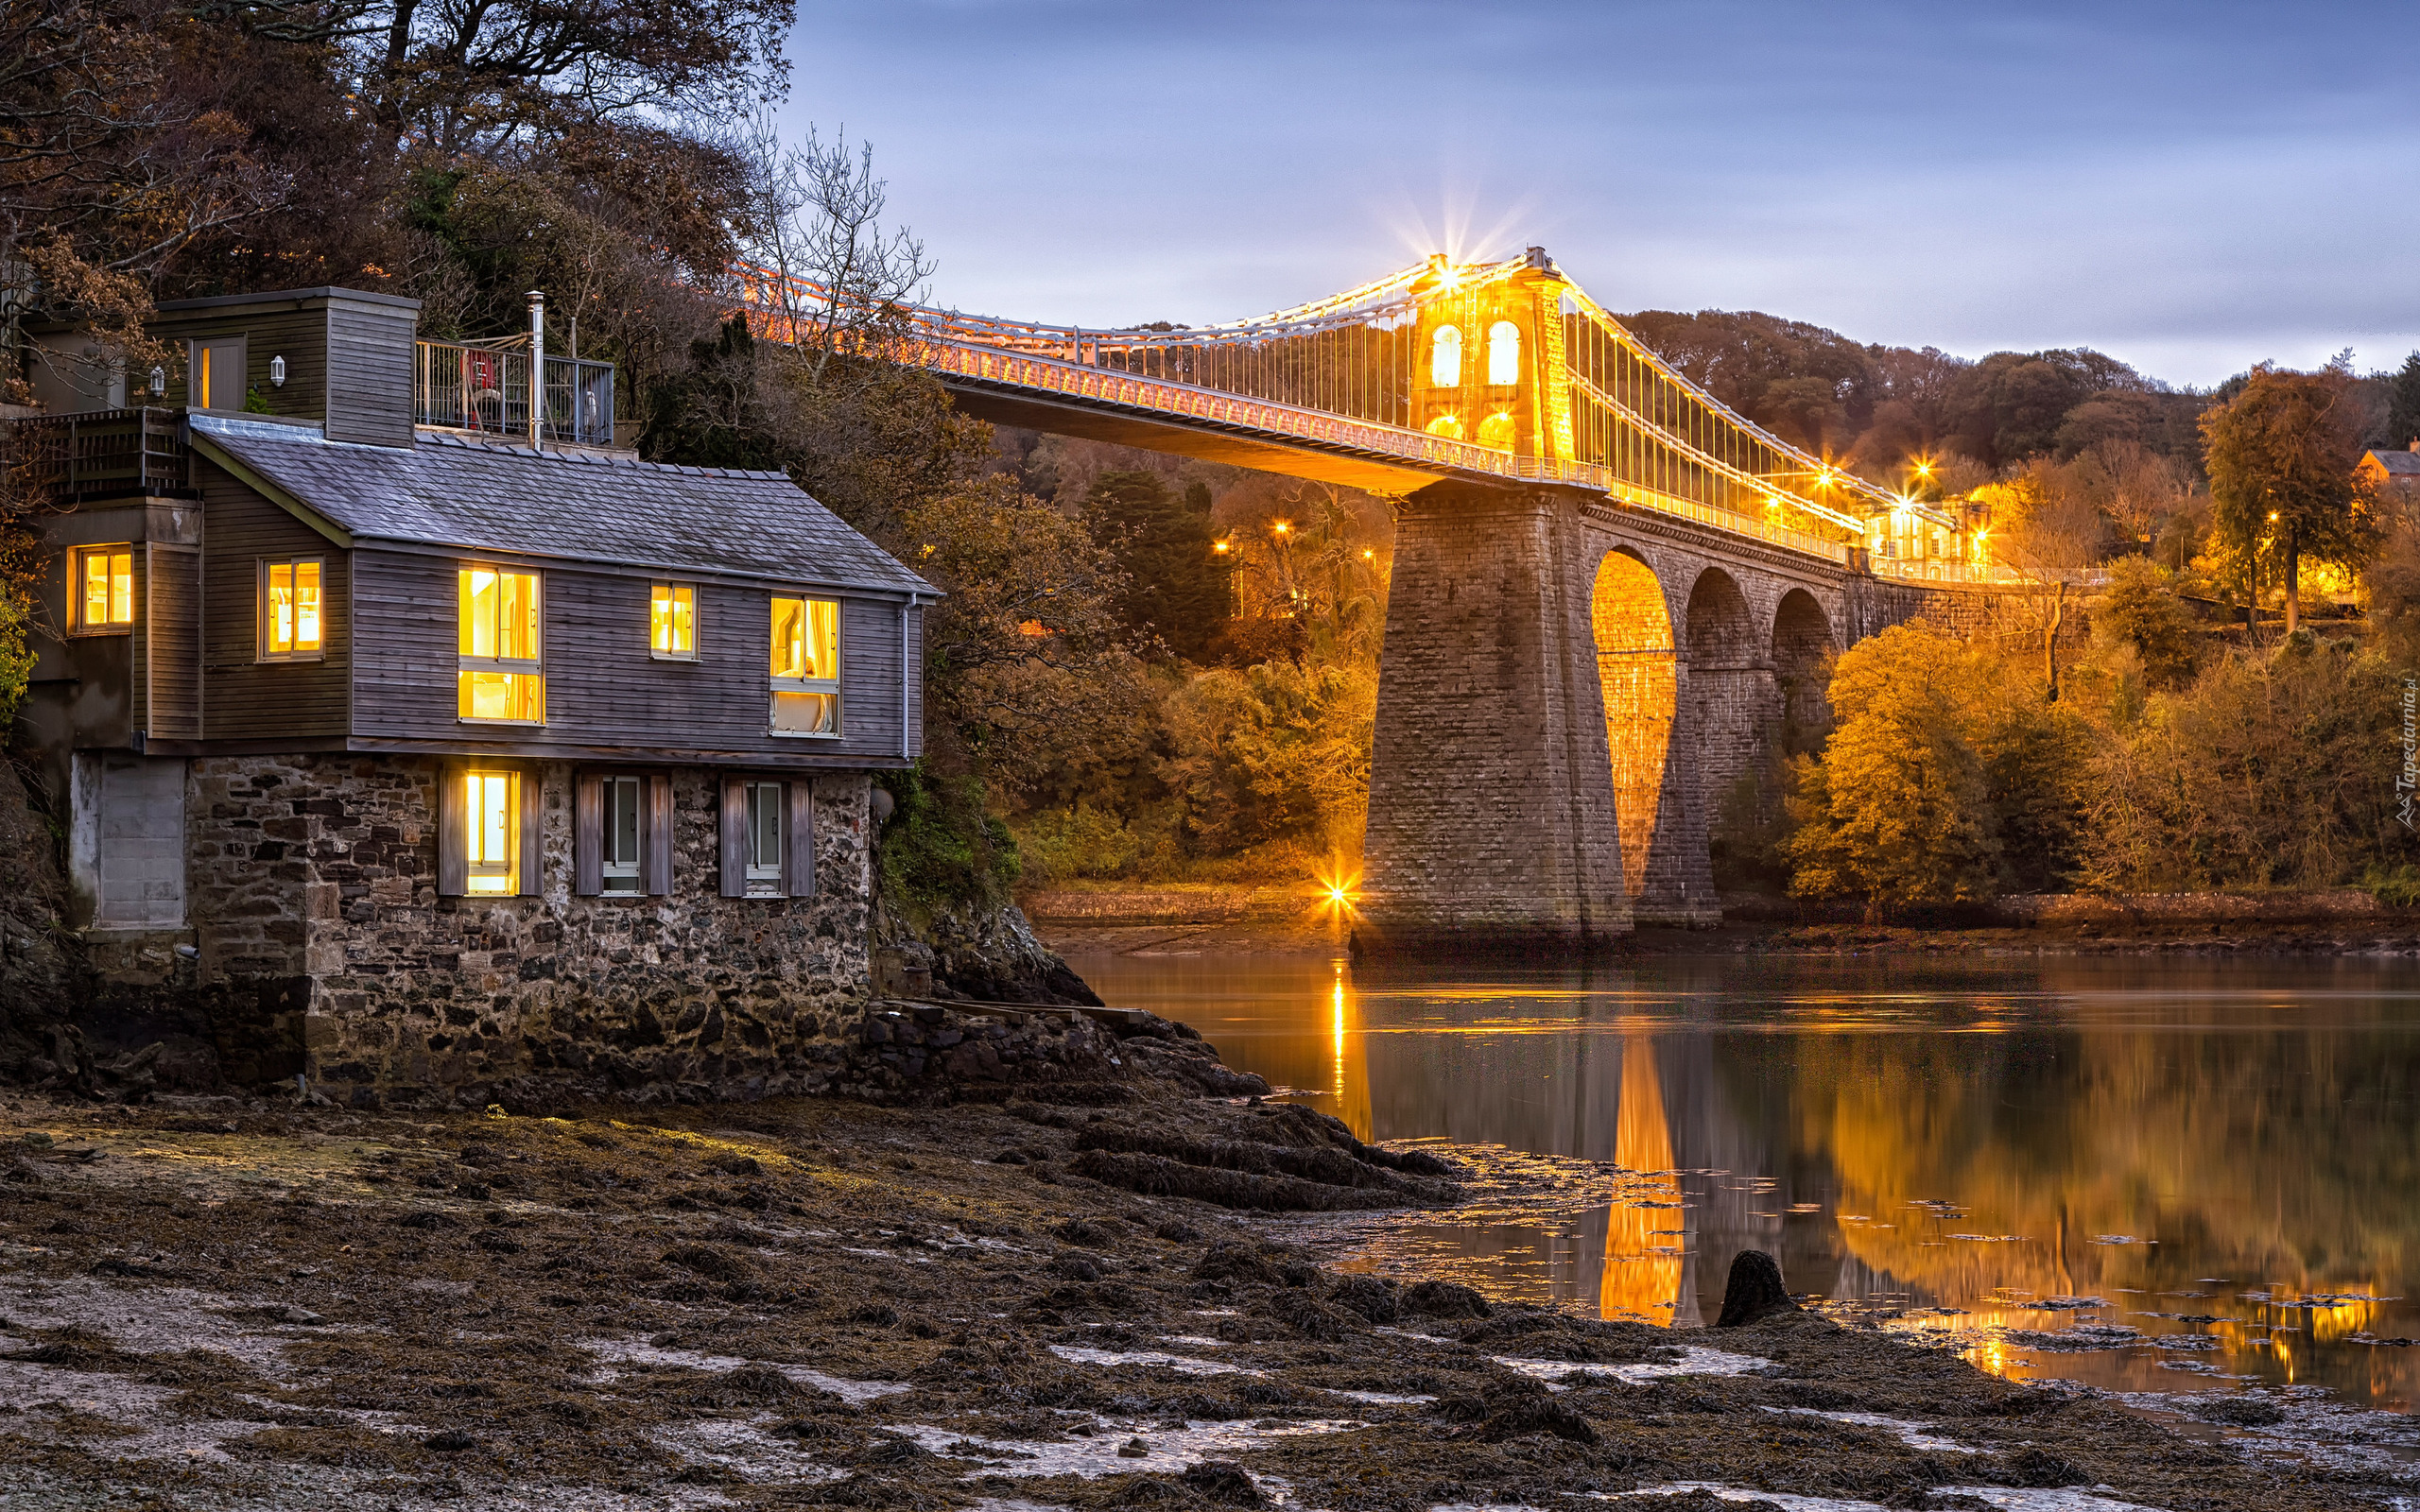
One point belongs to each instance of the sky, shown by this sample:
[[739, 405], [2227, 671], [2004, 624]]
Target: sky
[[2191, 188]]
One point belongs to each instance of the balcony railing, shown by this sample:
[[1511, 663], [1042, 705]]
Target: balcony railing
[[485, 389], [99, 453]]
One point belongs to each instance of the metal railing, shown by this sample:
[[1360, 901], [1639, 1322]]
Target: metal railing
[[100, 454], [1986, 574], [484, 388]]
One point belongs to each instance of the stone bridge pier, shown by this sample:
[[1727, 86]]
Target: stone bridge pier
[[1568, 691]]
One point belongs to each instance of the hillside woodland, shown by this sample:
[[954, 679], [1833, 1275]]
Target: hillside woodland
[[1148, 667]]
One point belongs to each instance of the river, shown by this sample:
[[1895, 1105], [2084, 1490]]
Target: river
[[2028, 1160]]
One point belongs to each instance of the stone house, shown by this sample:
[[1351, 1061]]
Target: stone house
[[413, 742]]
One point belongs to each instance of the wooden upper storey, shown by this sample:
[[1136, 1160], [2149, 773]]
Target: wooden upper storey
[[315, 595]]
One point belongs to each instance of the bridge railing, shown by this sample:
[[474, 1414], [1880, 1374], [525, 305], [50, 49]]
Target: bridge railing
[[1984, 574]]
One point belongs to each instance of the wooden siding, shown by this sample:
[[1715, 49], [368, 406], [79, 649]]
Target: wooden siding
[[171, 634], [298, 333], [348, 362], [370, 371], [603, 690], [244, 697]]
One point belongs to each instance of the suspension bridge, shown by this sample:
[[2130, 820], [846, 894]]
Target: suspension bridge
[[1612, 597]]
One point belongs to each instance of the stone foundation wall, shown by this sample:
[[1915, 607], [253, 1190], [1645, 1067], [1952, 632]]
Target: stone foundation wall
[[325, 950]]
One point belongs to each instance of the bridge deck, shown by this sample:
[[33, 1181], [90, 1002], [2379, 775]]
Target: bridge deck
[[1043, 393]]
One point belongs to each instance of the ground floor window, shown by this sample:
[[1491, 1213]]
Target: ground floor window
[[487, 830], [492, 846], [622, 834], [767, 837]]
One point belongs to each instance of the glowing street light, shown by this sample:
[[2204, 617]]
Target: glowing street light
[[1281, 527]]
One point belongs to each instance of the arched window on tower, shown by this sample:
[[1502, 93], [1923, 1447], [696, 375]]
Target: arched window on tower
[[1503, 353], [1446, 358]]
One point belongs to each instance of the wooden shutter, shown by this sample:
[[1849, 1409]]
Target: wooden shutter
[[655, 843], [453, 837], [533, 884], [798, 838], [735, 839], [588, 834]]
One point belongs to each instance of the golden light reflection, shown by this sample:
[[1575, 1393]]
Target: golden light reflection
[[1642, 1274]]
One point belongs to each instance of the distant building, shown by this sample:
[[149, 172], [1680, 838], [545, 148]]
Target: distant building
[[418, 748], [2394, 473]]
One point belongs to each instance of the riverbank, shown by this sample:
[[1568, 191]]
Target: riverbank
[[1181, 918], [1028, 1304]]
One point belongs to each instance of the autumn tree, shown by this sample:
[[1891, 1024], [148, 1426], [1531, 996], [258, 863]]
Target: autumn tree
[[2280, 455], [1948, 778]]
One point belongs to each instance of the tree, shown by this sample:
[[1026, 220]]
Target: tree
[[1949, 777], [2140, 609], [1897, 809], [2403, 404], [1177, 588], [2281, 455]]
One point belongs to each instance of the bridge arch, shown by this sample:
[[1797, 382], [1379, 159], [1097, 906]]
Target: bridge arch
[[1639, 678], [1803, 648], [1727, 674]]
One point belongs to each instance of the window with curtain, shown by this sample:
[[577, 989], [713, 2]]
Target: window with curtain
[[497, 639], [806, 667], [491, 832], [290, 610], [672, 622], [623, 798], [104, 588]]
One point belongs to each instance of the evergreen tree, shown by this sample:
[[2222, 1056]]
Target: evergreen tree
[[1177, 584], [2403, 404]]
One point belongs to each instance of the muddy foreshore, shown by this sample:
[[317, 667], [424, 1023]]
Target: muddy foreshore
[[1073, 1296], [1293, 920]]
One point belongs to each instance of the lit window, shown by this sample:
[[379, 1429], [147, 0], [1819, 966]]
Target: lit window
[[806, 667], [497, 630], [290, 609], [764, 832], [105, 600], [492, 841], [1446, 358], [1503, 353], [621, 798], [672, 621]]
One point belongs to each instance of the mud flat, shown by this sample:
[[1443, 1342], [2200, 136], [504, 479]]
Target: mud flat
[[1183, 919], [1103, 1294]]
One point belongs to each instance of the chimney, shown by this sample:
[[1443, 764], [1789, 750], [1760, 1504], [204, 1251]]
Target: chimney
[[537, 369]]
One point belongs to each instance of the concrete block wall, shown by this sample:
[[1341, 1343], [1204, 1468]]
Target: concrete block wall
[[325, 948]]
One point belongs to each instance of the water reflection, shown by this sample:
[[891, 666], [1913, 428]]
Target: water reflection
[[2221, 1155]]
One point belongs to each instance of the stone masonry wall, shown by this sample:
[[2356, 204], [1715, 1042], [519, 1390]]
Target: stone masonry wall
[[324, 947], [1492, 820]]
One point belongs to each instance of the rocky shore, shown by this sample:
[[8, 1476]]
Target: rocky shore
[[1068, 1290]]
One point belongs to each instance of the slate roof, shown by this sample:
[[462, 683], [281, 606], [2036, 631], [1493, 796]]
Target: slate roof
[[456, 492], [2398, 464]]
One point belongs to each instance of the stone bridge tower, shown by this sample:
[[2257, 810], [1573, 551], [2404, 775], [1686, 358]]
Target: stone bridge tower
[[1571, 688]]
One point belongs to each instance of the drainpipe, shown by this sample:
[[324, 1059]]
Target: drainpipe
[[904, 734], [537, 369]]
